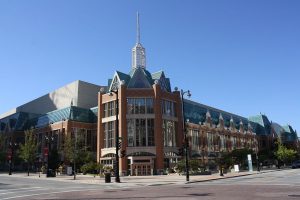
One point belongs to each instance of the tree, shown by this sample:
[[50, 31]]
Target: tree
[[54, 159], [75, 150], [28, 149], [284, 154], [2, 152]]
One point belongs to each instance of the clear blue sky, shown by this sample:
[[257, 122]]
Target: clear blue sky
[[239, 56]]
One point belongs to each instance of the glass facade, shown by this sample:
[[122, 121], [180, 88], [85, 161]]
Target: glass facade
[[109, 109], [195, 139], [169, 133], [140, 106], [169, 108], [109, 134], [140, 132]]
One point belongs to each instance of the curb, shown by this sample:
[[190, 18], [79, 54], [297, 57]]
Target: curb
[[220, 178]]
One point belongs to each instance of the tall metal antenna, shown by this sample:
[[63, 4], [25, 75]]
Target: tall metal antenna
[[137, 28]]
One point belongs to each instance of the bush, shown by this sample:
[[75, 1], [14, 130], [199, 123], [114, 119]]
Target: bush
[[88, 168]]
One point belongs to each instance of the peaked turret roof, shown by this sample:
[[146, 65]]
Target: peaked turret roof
[[261, 124], [141, 78]]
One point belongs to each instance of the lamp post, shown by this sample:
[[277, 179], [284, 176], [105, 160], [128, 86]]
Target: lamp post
[[186, 142], [117, 175], [10, 156], [257, 161], [47, 152]]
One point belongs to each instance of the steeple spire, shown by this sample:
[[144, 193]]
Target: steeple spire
[[137, 28], [138, 51]]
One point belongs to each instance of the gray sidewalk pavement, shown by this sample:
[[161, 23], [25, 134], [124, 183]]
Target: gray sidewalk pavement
[[131, 181]]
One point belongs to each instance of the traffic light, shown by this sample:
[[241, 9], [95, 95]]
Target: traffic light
[[180, 151], [123, 153], [120, 143]]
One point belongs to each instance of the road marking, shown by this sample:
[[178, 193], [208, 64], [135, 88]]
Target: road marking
[[19, 188], [48, 193], [24, 190]]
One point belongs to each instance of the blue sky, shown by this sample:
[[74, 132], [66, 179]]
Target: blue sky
[[239, 56]]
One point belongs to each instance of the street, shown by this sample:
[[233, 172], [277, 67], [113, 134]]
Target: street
[[272, 185]]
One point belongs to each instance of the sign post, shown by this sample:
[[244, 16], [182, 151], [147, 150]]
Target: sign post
[[250, 163]]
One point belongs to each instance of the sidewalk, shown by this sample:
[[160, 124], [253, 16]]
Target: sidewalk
[[128, 181]]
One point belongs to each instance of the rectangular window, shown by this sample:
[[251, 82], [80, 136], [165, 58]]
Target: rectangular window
[[130, 105], [169, 132], [137, 132], [150, 130], [130, 132], [109, 109], [105, 114], [140, 106], [109, 131], [195, 139], [149, 104], [209, 142], [169, 108]]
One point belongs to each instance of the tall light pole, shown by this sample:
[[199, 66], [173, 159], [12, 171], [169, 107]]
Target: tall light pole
[[117, 175], [257, 160], [48, 139], [75, 152], [10, 156], [186, 142]]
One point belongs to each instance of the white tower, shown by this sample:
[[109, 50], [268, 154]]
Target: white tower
[[138, 51]]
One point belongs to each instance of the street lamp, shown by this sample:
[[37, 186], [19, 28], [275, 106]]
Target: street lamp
[[48, 141], [186, 142], [10, 156], [117, 175], [257, 161]]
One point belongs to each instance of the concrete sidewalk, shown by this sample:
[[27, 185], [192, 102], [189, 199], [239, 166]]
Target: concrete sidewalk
[[131, 181]]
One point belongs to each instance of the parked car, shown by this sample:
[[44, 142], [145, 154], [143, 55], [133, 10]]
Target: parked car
[[296, 164]]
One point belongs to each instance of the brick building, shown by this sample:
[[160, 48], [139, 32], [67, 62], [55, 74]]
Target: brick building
[[150, 122]]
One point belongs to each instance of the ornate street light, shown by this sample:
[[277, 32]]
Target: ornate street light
[[186, 142], [117, 175], [10, 156], [48, 141]]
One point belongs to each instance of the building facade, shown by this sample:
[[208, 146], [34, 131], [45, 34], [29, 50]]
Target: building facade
[[148, 117]]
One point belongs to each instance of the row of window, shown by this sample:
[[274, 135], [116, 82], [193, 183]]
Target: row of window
[[140, 132], [109, 109], [109, 134], [141, 106], [168, 108], [57, 139], [222, 141]]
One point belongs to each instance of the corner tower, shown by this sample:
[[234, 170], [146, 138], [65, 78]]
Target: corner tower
[[138, 51]]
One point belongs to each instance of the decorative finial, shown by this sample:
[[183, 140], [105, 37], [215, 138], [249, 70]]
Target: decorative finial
[[137, 27]]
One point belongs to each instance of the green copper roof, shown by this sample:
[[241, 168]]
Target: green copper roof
[[261, 124], [70, 113], [157, 75], [140, 78], [17, 122], [196, 112], [124, 77]]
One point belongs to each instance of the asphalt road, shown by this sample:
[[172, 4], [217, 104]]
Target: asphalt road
[[274, 185]]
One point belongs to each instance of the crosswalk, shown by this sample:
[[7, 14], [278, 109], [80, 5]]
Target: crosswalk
[[31, 192]]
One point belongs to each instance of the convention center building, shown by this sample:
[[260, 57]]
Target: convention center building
[[149, 118]]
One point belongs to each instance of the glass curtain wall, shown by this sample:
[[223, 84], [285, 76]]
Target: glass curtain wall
[[109, 132], [195, 139], [140, 122], [169, 132]]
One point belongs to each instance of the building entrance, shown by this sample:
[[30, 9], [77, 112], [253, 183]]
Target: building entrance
[[142, 169], [141, 166]]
